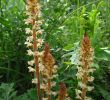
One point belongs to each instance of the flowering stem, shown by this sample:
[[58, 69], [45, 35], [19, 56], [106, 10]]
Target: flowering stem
[[62, 92], [86, 52], [33, 12], [84, 81], [38, 78], [36, 62], [49, 89], [48, 72], [85, 69]]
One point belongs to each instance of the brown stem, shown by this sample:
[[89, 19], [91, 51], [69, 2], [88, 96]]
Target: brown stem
[[36, 63], [38, 78], [63, 92], [86, 56], [49, 89], [34, 10], [85, 67], [49, 82], [84, 81]]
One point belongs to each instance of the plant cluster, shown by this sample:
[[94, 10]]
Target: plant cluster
[[64, 44], [45, 64]]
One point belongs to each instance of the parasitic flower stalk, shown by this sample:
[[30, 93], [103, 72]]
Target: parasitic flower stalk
[[33, 42], [48, 73], [85, 69], [63, 92], [63, 95]]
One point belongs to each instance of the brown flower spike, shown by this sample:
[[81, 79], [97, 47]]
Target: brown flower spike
[[48, 72], [63, 92], [84, 70]]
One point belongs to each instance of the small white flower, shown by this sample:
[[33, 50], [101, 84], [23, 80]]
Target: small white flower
[[91, 70], [31, 69], [44, 98], [34, 81], [39, 14], [90, 88], [55, 75], [54, 70], [39, 22], [88, 98], [80, 84], [79, 75], [38, 6], [27, 13], [78, 91], [29, 38], [28, 44], [28, 30], [28, 20], [80, 69], [39, 45], [53, 84], [27, 7], [40, 41], [31, 63], [68, 98], [40, 54], [54, 93], [41, 67], [91, 79], [78, 97], [30, 53], [43, 86], [40, 31], [45, 80], [55, 66], [40, 59], [34, 27]]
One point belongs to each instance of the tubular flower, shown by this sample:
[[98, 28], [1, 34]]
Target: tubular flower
[[85, 69], [33, 42], [48, 72]]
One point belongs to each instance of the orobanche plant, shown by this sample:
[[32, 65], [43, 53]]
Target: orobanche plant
[[33, 41], [85, 69]]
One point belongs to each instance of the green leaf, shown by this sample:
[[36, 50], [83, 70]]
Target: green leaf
[[102, 54], [104, 93], [68, 47], [7, 92], [29, 95]]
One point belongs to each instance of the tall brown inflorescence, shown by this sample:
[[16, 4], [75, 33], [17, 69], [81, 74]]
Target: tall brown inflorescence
[[33, 42], [63, 95], [48, 73], [63, 92], [85, 69]]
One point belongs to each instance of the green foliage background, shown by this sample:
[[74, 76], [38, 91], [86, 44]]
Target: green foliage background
[[65, 22]]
